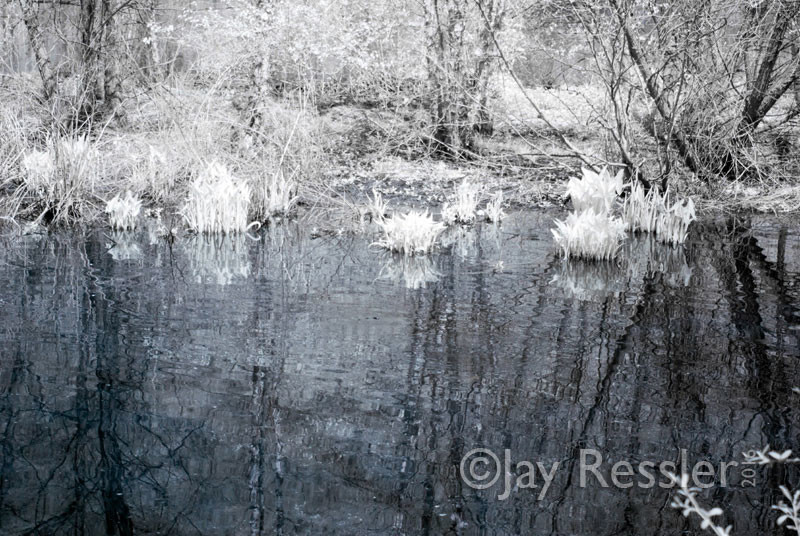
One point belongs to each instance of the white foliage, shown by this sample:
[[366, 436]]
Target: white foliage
[[123, 211], [39, 167], [377, 206], [277, 196], [790, 511], [463, 207], [641, 211], [494, 208], [652, 213], [217, 202], [687, 502], [589, 235], [412, 233], [596, 191], [673, 223]]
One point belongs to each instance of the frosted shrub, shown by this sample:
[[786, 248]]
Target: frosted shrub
[[464, 206], [412, 233], [596, 191], [123, 211], [589, 235], [217, 202], [494, 208]]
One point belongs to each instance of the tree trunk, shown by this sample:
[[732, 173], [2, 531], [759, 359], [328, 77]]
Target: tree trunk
[[42, 56], [450, 106]]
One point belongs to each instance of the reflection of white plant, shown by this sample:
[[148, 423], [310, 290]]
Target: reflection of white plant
[[494, 208], [412, 233], [217, 202], [790, 511], [644, 255], [687, 502], [414, 272], [124, 247], [464, 207], [462, 241], [123, 211], [589, 281], [596, 191], [215, 259], [589, 235]]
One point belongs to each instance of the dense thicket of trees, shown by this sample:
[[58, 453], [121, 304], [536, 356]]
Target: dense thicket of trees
[[704, 80]]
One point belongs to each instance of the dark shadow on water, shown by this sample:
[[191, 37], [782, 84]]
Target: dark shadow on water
[[300, 384]]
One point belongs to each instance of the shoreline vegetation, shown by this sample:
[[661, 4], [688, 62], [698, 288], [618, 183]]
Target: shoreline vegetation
[[248, 112]]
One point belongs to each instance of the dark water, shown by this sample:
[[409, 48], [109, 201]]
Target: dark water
[[298, 385]]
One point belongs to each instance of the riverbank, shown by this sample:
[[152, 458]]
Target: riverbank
[[331, 159]]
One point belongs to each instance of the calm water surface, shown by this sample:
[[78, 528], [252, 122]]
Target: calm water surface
[[312, 384]]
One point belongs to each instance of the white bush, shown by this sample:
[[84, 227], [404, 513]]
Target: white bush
[[589, 235], [464, 206], [412, 233], [123, 211], [217, 202], [596, 191]]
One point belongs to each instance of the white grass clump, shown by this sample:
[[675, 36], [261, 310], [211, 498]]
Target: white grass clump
[[123, 211], [652, 213], [641, 211], [276, 196], [217, 202], [494, 208], [464, 207], [596, 191], [377, 207], [589, 235], [673, 223], [412, 233], [39, 167]]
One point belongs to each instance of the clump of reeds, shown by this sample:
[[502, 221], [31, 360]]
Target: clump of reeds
[[123, 211], [652, 212], [589, 235], [463, 207], [275, 196], [58, 179], [494, 208], [596, 191], [412, 233], [673, 223], [217, 202], [641, 210]]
